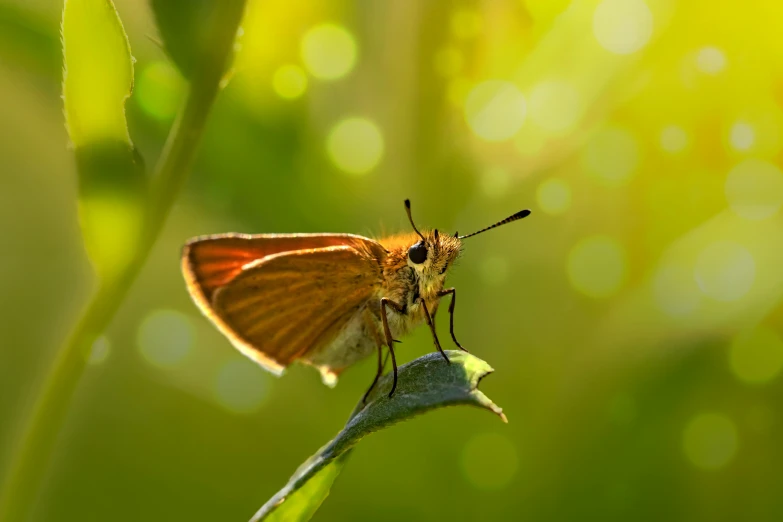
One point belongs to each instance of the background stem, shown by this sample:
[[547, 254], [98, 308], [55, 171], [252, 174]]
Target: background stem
[[30, 462]]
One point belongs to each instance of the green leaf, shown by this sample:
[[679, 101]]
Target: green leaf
[[97, 79], [424, 384], [198, 34]]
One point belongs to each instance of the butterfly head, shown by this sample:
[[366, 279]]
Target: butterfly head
[[433, 253]]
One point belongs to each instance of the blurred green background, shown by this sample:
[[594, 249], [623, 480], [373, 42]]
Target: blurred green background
[[634, 320]]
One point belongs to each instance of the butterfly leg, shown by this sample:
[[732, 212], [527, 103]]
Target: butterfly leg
[[386, 302], [432, 329], [381, 365], [377, 375], [453, 292]]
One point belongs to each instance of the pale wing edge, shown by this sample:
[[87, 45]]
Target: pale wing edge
[[240, 235]]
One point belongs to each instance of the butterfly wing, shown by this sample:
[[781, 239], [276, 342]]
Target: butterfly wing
[[210, 262], [278, 298]]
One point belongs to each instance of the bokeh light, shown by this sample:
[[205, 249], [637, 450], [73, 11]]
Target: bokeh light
[[622, 26], [289, 82], [612, 156], [160, 90], [495, 110], [710, 441], [240, 386], [490, 461], [725, 271], [675, 289], [100, 350], [355, 145], [674, 139], [754, 189], [165, 338], [742, 136], [710, 60], [554, 196], [329, 51], [756, 355], [597, 266], [555, 106]]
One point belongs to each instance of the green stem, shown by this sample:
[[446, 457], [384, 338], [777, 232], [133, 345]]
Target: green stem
[[30, 463]]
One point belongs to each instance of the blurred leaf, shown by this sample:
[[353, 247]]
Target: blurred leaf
[[198, 34], [27, 39], [424, 384], [98, 78]]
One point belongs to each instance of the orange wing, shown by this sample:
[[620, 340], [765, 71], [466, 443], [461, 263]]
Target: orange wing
[[277, 297]]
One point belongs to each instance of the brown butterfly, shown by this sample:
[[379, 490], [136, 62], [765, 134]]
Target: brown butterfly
[[326, 300]]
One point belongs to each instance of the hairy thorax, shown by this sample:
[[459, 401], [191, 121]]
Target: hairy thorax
[[408, 284]]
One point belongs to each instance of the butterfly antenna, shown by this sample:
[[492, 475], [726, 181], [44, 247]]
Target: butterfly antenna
[[410, 218], [519, 215]]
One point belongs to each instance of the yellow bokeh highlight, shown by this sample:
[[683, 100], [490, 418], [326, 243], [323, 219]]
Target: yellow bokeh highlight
[[725, 271], [611, 156], [554, 196], [99, 351], [675, 290], [742, 136], [240, 386], [165, 338], [710, 60], [756, 355], [597, 266], [710, 441], [754, 189], [673, 139], [289, 82], [490, 461], [466, 23], [495, 110], [622, 26], [160, 90], [757, 129], [328, 51], [355, 145], [555, 106]]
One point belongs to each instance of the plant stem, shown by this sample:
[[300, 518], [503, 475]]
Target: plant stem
[[29, 466]]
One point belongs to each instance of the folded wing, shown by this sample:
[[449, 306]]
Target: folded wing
[[277, 305]]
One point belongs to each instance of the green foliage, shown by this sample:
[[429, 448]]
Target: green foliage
[[97, 79], [424, 384], [197, 32], [120, 216]]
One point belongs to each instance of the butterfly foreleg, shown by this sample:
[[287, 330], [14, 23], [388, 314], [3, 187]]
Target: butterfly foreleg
[[428, 318], [370, 325], [386, 302], [453, 292]]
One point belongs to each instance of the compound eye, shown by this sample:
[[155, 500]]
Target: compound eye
[[418, 253]]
